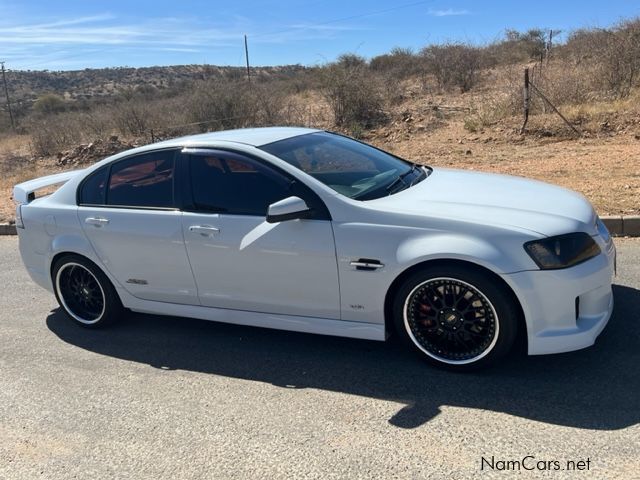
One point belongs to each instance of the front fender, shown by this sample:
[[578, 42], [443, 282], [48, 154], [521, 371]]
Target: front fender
[[399, 248], [501, 257]]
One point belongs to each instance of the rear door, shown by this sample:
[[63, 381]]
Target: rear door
[[242, 262], [128, 210]]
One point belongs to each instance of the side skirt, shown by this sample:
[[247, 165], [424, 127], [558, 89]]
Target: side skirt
[[321, 326]]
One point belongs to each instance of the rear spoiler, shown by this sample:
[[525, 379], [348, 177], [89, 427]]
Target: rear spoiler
[[24, 192]]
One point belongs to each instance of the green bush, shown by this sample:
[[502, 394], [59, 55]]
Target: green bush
[[454, 65], [49, 103], [352, 92]]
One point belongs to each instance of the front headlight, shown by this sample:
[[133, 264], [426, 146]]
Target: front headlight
[[562, 251]]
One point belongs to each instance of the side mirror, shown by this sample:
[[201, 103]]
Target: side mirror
[[289, 208]]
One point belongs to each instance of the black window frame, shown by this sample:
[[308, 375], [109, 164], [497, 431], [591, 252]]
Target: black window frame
[[319, 210], [176, 183]]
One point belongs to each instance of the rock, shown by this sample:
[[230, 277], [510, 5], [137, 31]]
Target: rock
[[468, 152]]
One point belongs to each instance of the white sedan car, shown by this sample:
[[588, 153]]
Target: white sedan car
[[306, 230]]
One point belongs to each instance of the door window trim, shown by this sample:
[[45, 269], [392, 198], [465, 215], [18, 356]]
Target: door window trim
[[177, 197]]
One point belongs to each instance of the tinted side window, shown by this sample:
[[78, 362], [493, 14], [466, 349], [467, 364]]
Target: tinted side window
[[143, 181], [93, 188], [230, 183]]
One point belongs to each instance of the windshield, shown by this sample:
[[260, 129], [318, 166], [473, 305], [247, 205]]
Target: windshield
[[351, 168]]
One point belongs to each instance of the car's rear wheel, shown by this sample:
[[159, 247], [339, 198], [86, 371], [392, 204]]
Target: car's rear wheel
[[455, 317], [85, 293]]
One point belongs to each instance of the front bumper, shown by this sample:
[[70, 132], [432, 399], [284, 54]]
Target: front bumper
[[566, 309]]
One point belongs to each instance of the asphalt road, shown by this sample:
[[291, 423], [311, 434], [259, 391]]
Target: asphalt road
[[160, 397]]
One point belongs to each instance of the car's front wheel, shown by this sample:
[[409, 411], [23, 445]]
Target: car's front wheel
[[456, 317], [84, 292]]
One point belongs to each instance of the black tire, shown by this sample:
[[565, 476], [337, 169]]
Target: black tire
[[85, 293], [480, 331]]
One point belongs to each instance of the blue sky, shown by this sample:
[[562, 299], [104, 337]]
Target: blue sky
[[67, 35]]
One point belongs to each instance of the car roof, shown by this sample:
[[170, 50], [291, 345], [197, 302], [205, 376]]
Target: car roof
[[249, 136]]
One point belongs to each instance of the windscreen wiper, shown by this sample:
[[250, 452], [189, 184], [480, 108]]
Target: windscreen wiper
[[400, 179]]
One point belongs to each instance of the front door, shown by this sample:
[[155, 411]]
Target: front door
[[242, 262], [128, 212]]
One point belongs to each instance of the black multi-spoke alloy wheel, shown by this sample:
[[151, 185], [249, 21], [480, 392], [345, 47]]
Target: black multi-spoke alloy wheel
[[455, 317], [84, 292]]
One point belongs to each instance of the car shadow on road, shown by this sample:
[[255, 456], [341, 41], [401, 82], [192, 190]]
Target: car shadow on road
[[596, 388]]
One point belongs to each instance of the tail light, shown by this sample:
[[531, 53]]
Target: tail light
[[19, 223]]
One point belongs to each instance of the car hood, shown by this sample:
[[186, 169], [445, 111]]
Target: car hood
[[492, 199]]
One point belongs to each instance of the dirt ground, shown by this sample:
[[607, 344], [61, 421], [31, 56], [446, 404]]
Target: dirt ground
[[605, 169]]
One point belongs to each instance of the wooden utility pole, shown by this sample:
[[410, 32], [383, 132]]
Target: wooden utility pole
[[548, 46], [246, 55], [6, 92], [527, 99]]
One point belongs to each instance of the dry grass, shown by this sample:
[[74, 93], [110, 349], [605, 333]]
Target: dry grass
[[14, 145], [17, 164]]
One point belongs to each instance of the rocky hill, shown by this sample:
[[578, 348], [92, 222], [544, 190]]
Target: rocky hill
[[26, 86]]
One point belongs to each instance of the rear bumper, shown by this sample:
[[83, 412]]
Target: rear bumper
[[566, 309]]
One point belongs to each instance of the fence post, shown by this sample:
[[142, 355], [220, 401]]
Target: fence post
[[527, 99]]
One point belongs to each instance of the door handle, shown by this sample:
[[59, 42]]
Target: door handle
[[204, 230], [366, 264], [97, 221]]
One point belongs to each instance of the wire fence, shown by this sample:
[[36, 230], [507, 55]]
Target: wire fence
[[165, 132]]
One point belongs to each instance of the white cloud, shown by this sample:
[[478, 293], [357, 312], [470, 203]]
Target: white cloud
[[51, 41], [94, 31], [449, 12]]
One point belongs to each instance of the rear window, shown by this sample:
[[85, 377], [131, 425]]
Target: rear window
[[143, 181]]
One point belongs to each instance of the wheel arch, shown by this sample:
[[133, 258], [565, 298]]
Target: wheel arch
[[61, 254], [104, 271], [399, 280], [75, 243]]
